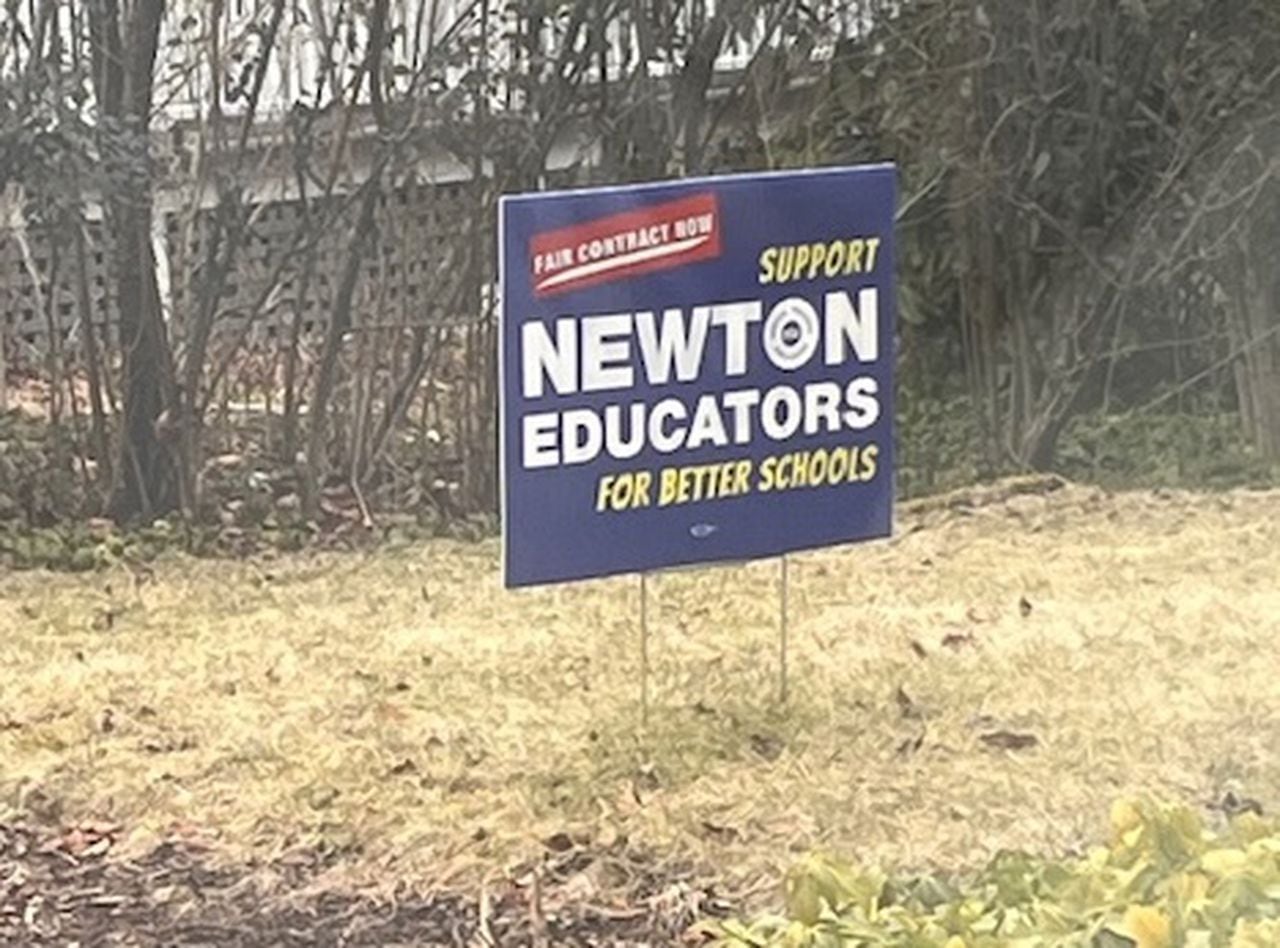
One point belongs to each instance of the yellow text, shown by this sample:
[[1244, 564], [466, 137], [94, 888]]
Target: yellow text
[[820, 468], [792, 262], [683, 485]]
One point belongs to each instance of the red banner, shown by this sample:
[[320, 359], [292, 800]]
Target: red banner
[[624, 245]]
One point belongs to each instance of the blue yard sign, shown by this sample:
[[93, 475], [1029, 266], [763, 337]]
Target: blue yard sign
[[695, 371]]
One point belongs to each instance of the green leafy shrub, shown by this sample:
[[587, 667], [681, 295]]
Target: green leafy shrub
[[38, 482], [937, 445], [1173, 450], [1163, 881]]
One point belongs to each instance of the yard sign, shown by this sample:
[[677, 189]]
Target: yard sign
[[695, 371]]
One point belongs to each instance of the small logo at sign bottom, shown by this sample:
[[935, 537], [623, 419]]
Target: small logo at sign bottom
[[700, 531]]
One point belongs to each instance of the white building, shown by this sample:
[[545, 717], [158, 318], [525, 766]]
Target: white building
[[425, 30], [434, 46]]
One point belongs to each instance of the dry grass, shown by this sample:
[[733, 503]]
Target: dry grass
[[404, 706]]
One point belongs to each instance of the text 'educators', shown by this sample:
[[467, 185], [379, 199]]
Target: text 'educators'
[[695, 371]]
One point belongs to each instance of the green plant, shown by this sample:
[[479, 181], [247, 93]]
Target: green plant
[[1162, 881]]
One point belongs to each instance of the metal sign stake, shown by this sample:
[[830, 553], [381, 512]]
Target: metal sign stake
[[782, 629], [644, 650]]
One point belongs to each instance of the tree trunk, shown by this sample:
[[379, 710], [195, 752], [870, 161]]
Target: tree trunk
[[4, 373], [148, 481], [340, 321], [689, 101], [289, 422], [1259, 320], [147, 468], [92, 357]]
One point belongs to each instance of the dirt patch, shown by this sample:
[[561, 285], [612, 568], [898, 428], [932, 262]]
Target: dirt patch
[[67, 889]]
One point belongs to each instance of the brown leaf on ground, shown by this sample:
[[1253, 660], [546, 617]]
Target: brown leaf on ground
[[1233, 805], [911, 745], [84, 840], [767, 746], [559, 842], [721, 833], [907, 707], [1009, 740]]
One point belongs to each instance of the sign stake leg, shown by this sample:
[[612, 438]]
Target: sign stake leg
[[644, 649], [782, 630]]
